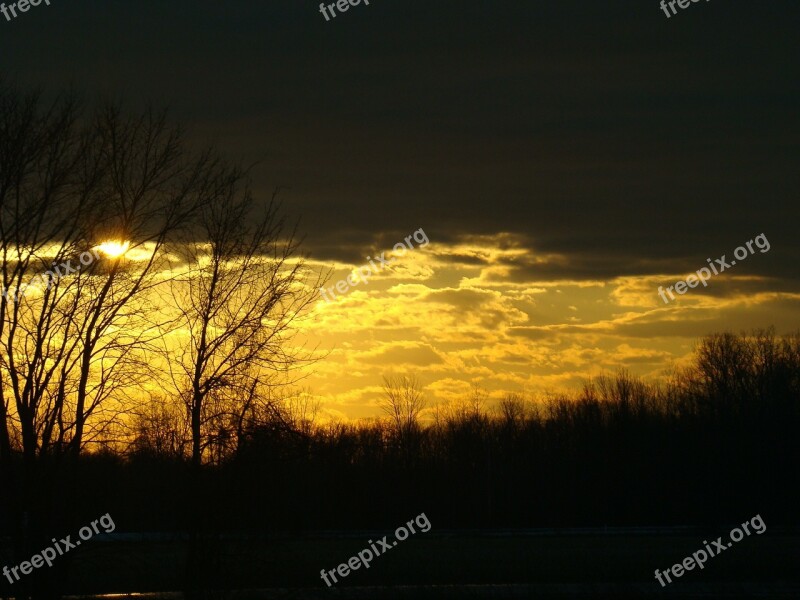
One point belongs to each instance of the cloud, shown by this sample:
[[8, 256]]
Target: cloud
[[560, 178]]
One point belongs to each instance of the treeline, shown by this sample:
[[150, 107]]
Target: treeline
[[718, 443]]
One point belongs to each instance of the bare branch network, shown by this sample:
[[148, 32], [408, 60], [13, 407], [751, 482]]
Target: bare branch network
[[194, 291]]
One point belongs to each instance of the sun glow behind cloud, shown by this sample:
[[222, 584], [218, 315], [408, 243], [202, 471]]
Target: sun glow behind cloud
[[114, 249]]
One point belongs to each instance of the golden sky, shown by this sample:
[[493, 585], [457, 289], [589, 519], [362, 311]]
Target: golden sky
[[473, 312], [561, 178]]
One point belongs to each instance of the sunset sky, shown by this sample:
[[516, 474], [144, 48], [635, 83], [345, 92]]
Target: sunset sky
[[565, 159]]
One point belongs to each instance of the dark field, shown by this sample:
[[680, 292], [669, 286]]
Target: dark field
[[578, 563]]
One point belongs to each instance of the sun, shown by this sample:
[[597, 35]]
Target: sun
[[114, 249]]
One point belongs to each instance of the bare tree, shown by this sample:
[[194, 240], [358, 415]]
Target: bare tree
[[77, 320], [239, 302], [513, 411], [41, 187], [403, 402], [154, 188], [160, 429], [74, 340], [301, 410]]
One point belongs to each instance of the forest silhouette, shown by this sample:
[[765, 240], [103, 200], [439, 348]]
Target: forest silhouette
[[702, 449], [711, 444]]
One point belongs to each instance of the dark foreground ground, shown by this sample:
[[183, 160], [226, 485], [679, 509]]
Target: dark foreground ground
[[597, 563]]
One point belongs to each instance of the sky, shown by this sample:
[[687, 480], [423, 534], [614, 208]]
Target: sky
[[564, 160]]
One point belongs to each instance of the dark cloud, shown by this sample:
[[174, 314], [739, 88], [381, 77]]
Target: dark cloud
[[604, 132]]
